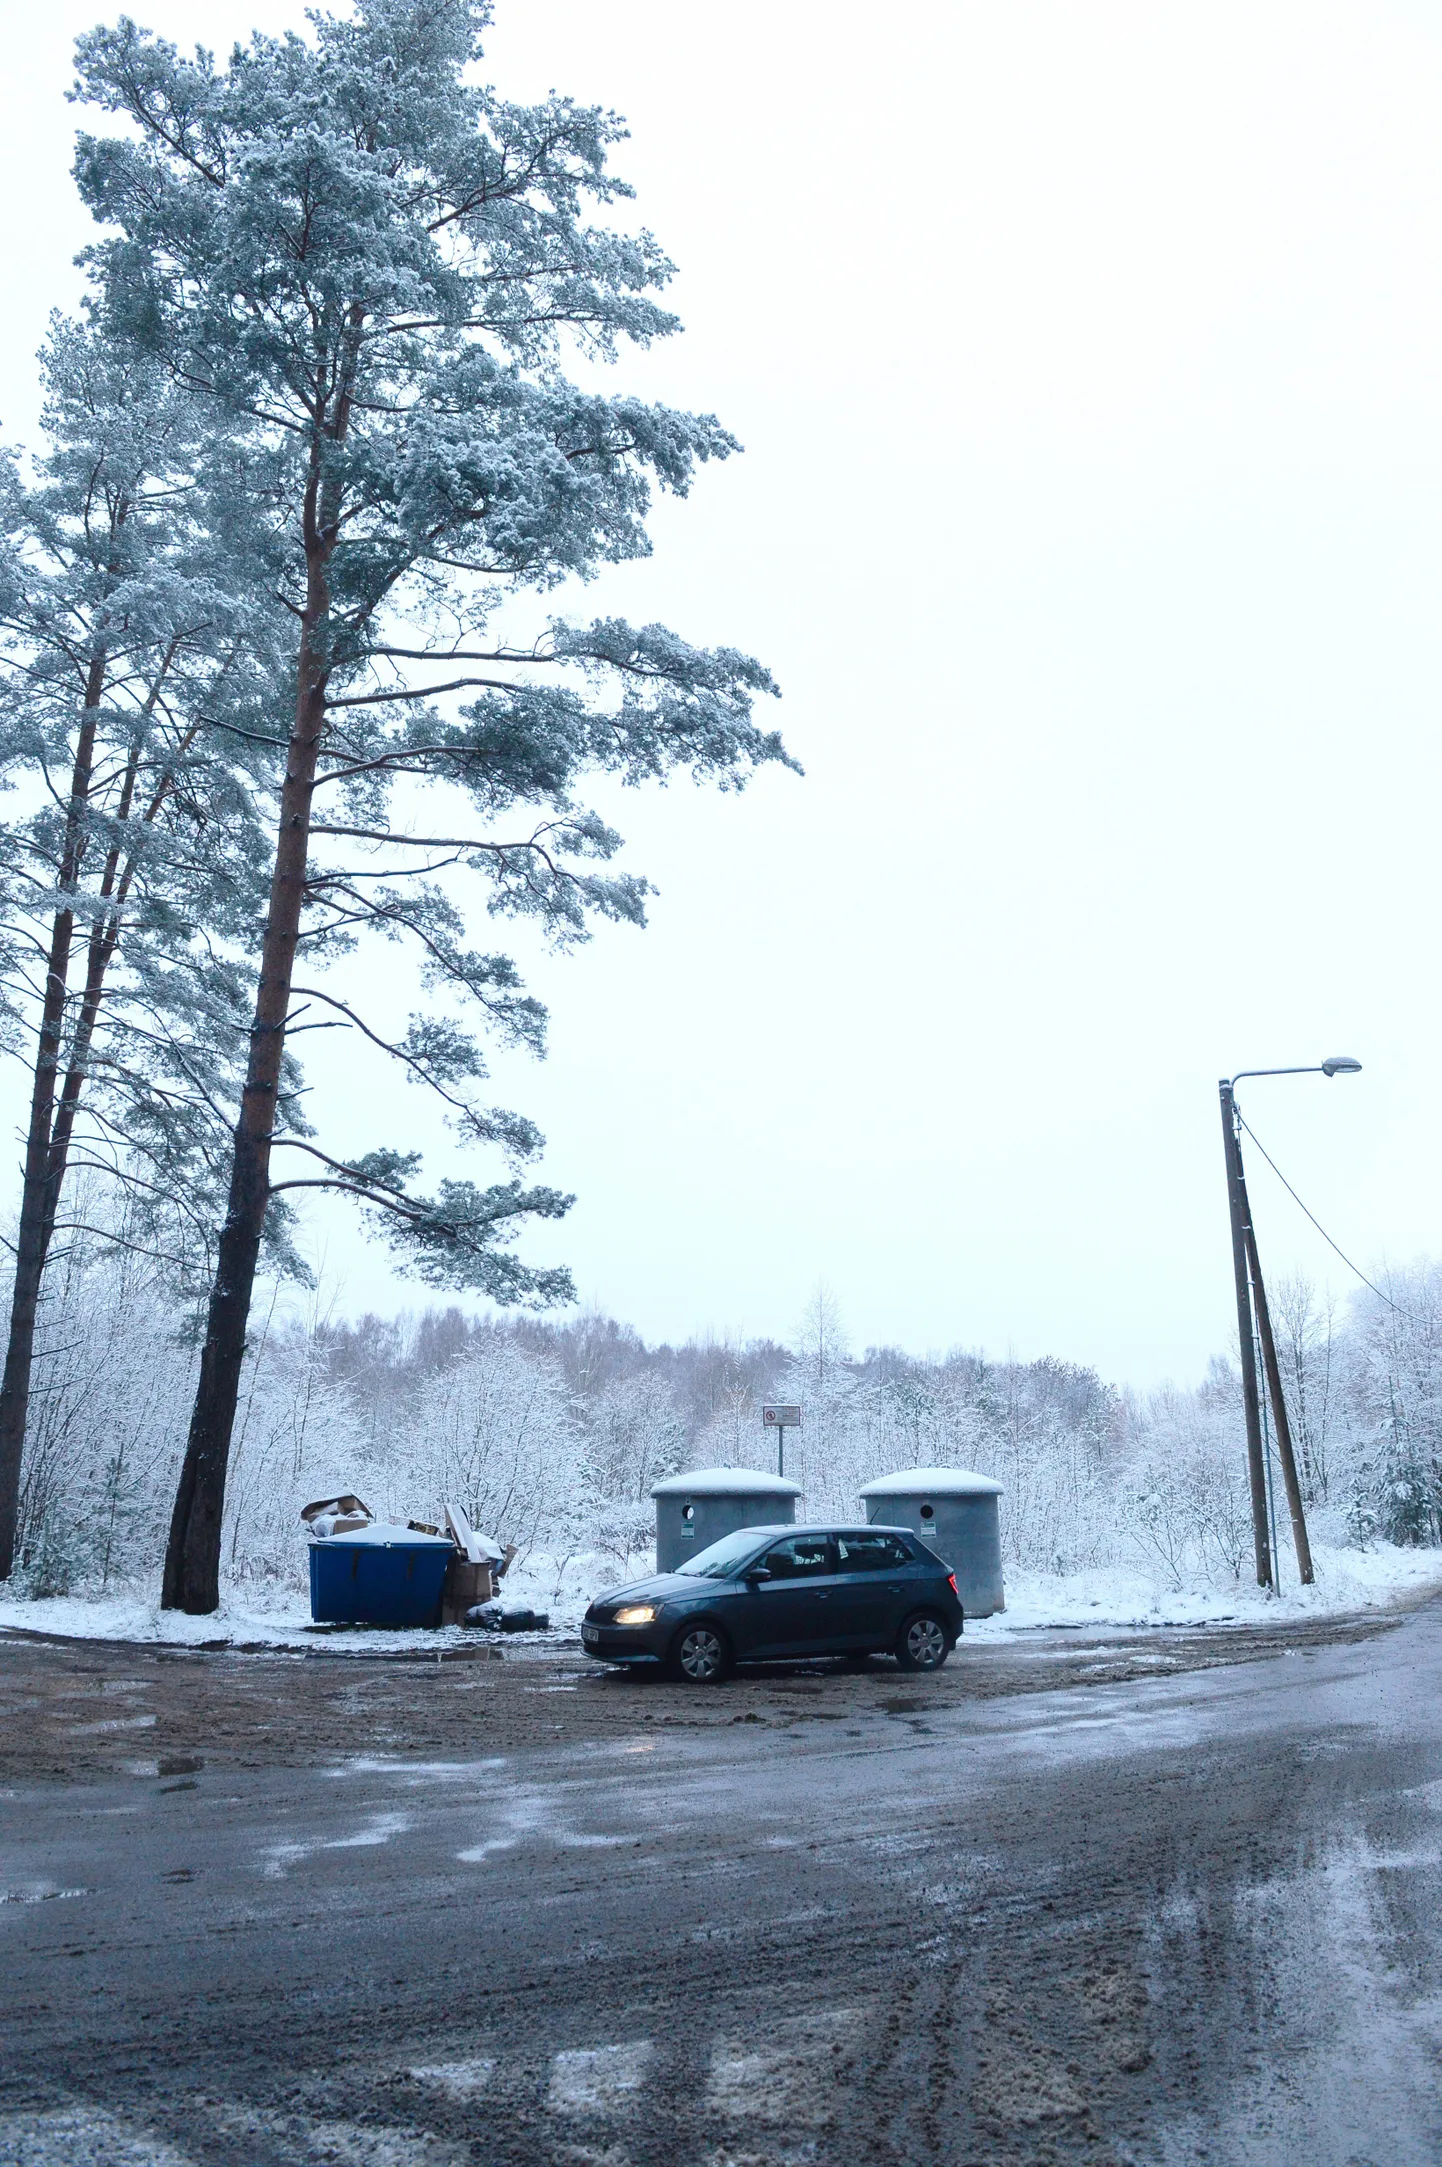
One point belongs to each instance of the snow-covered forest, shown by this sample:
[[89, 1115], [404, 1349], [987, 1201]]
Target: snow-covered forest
[[238, 575], [552, 1433]]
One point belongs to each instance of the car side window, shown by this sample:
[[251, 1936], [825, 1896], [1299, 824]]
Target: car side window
[[801, 1557], [862, 1553]]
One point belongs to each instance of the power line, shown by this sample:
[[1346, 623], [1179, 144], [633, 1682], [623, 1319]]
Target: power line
[[1319, 1226]]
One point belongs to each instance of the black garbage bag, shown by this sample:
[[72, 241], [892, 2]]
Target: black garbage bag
[[499, 1617]]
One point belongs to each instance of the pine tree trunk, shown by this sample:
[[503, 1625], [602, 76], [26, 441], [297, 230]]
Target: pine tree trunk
[[31, 1245], [33, 1239], [192, 1559], [40, 1200], [191, 1580]]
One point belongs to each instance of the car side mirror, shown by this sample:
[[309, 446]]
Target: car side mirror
[[755, 1574]]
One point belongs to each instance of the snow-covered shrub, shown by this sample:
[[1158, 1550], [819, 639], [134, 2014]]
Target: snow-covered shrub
[[111, 1378], [633, 1437], [1394, 1390], [299, 1434], [1184, 1506], [495, 1431]]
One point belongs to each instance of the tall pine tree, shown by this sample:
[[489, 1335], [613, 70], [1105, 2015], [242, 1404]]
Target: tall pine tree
[[135, 678], [373, 267]]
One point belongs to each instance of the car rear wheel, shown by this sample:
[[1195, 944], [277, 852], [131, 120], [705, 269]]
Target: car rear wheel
[[922, 1643], [700, 1655]]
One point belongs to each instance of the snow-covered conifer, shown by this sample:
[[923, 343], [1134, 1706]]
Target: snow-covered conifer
[[371, 265], [135, 671]]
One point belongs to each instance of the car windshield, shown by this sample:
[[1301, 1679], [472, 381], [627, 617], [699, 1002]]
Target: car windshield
[[721, 1558]]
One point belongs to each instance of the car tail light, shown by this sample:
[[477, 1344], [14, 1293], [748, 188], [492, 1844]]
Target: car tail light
[[951, 1583]]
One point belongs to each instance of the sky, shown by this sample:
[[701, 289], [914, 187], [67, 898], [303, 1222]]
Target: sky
[[1088, 363]]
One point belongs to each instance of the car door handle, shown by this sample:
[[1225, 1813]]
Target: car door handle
[[894, 1588]]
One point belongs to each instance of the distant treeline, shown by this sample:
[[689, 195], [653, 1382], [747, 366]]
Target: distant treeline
[[552, 1433]]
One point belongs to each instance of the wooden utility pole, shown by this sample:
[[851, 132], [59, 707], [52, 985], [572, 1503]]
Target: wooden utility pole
[[1246, 1337], [1247, 1270], [1274, 1389]]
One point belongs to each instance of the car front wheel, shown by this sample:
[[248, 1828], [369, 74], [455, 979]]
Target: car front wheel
[[699, 1655], [922, 1644]]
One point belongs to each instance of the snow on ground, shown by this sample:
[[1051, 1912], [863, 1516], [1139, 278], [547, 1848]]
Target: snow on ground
[[1347, 1581], [1116, 1597], [279, 1617], [281, 1621]]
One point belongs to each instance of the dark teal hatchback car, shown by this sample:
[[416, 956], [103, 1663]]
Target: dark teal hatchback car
[[765, 1594]]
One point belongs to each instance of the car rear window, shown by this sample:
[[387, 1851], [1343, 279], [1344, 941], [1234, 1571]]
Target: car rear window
[[868, 1553]]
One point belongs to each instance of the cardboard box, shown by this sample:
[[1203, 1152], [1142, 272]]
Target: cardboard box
[[466, 1583]]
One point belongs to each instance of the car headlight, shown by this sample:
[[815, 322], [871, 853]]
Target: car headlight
[[636, 1614]]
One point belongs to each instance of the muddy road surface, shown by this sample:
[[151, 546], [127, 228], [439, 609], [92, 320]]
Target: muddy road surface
[[1077, 1903]]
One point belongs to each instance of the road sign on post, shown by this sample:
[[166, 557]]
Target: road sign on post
[[781, 1419]]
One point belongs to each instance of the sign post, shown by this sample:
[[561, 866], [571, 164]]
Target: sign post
[[781, 1419]]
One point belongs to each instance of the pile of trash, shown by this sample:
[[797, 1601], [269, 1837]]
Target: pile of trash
[[365, 1571]]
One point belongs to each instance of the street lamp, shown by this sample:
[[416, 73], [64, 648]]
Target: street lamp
[[1336, 1064], [1247, 1272]]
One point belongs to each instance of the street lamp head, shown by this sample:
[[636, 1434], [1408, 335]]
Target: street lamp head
[[1337, 1064]]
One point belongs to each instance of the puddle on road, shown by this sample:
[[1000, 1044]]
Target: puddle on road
[[280, 1857], [531, 1816], [413, 1773]]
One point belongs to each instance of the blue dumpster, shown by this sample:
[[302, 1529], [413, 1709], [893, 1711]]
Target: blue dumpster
[[378, 1575]]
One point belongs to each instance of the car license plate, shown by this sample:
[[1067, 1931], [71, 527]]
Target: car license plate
[[590, 1633]]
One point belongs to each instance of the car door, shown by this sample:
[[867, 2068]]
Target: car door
[[873, 1582], [791, 1613]]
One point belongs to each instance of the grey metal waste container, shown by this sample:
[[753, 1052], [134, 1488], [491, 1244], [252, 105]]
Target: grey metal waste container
[[958, 1515], [698, 1508]]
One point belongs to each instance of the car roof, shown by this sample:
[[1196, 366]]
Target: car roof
[[830, 1527]]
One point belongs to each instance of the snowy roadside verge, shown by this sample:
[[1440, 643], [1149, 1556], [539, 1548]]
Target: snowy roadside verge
[[280, 1620], [1349, 1583], [139, 1620], [249, 1622]]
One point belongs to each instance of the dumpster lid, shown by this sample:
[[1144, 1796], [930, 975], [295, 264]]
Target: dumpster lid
[[386, 1531], [726, 1482], [341, 1504], [934, 1482]]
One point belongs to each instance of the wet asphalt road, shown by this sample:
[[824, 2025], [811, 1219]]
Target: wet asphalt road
[[1176, 1919]]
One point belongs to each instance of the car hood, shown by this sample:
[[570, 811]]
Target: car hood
[[658, 1589]]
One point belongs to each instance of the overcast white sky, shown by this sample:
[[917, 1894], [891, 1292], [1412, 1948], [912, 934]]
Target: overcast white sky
[[1089, 366]]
